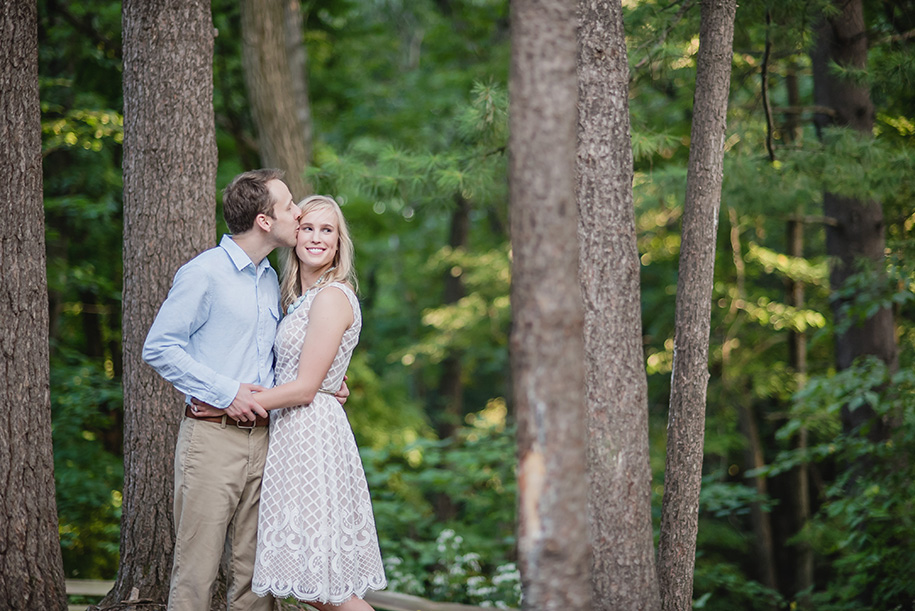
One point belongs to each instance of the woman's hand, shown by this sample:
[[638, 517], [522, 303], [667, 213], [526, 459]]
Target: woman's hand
[[343, 394], [205, 410], [244, 399]]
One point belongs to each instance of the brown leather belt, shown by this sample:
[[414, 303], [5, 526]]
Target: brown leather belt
[[220, 419]]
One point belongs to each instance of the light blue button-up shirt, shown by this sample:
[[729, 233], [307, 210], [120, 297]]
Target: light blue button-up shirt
[[217, 325]]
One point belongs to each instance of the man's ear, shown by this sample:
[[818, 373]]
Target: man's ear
[[263, 221]]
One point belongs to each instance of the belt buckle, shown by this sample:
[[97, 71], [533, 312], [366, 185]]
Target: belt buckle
[[244, 425]]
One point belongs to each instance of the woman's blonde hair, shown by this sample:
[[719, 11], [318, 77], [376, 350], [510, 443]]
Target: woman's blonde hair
[[344, 271]]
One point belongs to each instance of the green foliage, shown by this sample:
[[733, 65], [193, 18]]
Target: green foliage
[[867, 292], [429, 497], [721, 499], [864, 526], [476, 324], [724, 586], [849, 164], [85, 406], [82, 135], [401, 202], [369, 408], [753, 320]]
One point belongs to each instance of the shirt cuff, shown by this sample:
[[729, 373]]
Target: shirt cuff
[[222, 392]]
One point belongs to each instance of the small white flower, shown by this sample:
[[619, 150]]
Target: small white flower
[[445, 535]]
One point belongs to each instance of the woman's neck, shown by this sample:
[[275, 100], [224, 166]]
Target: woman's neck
[[310, 277]]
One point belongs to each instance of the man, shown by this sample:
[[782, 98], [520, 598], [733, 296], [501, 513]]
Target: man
[[213, 339]]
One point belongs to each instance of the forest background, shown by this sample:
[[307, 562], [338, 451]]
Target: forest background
[[408, 129]]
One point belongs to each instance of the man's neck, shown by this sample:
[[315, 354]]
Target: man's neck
[[254, 244]]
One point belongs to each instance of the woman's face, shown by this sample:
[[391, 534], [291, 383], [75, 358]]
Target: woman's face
[[318, 238]]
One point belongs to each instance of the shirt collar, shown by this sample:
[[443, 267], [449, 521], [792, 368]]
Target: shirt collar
[[239, 257]]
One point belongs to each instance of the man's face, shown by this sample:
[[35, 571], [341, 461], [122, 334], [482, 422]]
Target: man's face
[[286, 214]]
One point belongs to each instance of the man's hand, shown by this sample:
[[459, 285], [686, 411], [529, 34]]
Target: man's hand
[[343, 394], [244, 408]]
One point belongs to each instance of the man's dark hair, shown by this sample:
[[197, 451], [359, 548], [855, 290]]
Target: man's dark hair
[[246, 197]]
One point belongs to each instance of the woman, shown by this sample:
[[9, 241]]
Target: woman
[[316, 535]]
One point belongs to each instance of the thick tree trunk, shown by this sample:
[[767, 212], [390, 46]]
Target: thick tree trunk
[[31, 567], [270, 85], [689, 383], [858, 232], [547, 344], [169, 216], [623, 566]]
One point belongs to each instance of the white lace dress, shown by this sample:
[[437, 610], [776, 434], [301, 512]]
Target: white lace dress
[[316, 537]]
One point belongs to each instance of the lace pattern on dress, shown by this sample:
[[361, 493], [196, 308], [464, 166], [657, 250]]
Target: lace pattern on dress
[[316, 535]]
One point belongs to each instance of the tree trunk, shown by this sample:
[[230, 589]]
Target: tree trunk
[[623, 566], [735, 392], [450, 413], [298, 69], [763, 539], [546, 341], [31, 566], [169, 216], [269, 80], [858, 232], [798, 501], [689, 380]]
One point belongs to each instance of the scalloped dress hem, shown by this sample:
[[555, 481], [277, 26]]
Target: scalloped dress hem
[[324, 599]]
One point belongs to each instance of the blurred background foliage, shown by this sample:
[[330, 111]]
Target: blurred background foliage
[[409, 105]]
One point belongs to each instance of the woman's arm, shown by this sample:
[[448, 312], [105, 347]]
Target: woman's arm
[[330, 315]]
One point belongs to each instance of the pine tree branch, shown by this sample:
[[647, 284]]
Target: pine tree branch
[[686, 5], [905, 36]]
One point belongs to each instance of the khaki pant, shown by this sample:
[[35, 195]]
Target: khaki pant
[[218, 470]]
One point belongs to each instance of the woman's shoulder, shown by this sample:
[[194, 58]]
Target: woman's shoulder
[[345, 287], [343, 294], [339, 298]]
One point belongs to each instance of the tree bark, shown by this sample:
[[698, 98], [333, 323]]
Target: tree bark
[[298, 69], [858, 232], [169, 216], [689, 380], [31, 566], [546, 341], [270, 85], [621, 532]]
